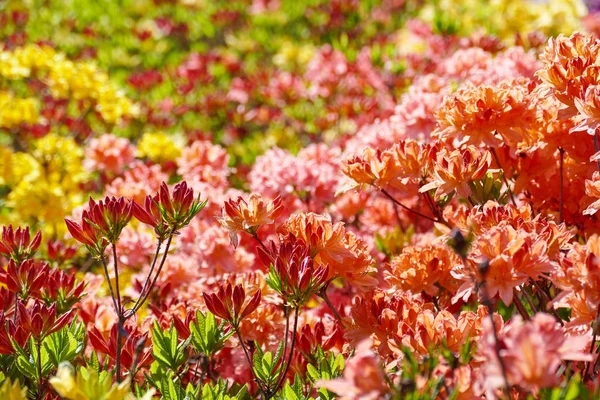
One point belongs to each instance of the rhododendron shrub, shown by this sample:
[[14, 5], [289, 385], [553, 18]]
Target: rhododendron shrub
[[266, 199]]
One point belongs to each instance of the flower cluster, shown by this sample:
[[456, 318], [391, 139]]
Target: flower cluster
[[399, 199]]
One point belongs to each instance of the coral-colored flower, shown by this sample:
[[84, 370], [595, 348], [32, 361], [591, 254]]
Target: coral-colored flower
[[570, 68], [424, 269], [363, 376], [241, 216], [139, 180], [588, 118], [453, 171], [490, 115], [109, 153], [405, 162], [330, 244], [532, 352], [592, 189], [17, 244], [514, 257], [205, 162], [229, 303], [578, 276]]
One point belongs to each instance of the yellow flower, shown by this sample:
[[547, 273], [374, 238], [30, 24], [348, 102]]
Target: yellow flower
[[15, 111], [12, 391], [90, 385], [158, 147], [80, 80], [61, 159]]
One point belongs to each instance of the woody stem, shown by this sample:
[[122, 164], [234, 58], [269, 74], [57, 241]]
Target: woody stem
[[250, 363], [323, 294], [393, 199], [144, 296], [147, 282], [485, 300], [291, 349], [520, 306], [260, 242], [120, 316]]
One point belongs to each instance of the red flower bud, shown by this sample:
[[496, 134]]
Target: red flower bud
[[228, 303], [41, 320], [18, 245], [26, 279]]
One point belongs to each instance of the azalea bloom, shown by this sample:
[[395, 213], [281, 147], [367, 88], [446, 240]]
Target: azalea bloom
[[363, 376], [423, 269], [405, 162], [570, 68], [490, 115], [514, 257], [109, 153], [18, 244], [532, 352], [241, 216], [330, 244], [592, 189], [453, 171]]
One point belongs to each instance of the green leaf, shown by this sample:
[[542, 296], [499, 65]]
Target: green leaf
[[63, 345], [207, 337], [166, 348]]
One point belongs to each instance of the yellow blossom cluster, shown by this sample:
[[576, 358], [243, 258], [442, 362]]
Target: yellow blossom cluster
[[80, 80], [15, 111], [44, 183], [505, 17], [158, 147]]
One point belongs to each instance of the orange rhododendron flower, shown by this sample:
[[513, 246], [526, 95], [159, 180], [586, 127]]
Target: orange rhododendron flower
[[489, 115], [532, 352], [570, 67], [241, 216], [588, 119], [363, 377], [423, 269], [592, 189], [514, 256], [578, 276], [453, 171], [405, 162], [330, 244]]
